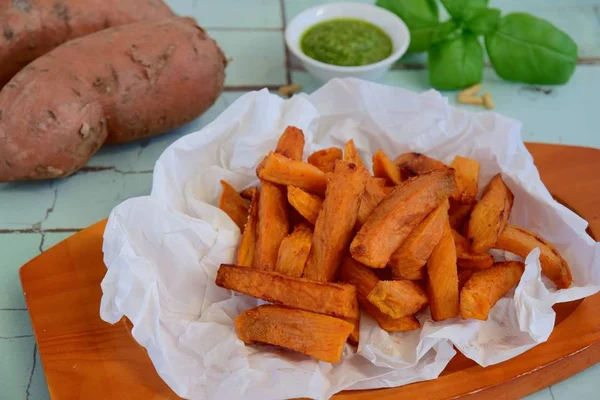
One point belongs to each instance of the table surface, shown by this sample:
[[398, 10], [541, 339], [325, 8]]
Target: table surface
[[36, 215]]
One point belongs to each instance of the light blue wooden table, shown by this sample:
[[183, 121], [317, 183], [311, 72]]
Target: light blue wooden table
[[34, 216]]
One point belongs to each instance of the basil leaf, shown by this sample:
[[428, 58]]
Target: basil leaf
[[483, 21], [419, 16], [457, 8], [531, 50], [456, 63], [421, 39]]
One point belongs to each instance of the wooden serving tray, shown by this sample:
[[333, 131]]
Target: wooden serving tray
[[84, 357]]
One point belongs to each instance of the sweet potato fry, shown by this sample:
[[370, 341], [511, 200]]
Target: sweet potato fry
[[336, 220], [388, 189], [272, 225], [399, 214], [466, 257], [385, 168], [245, 253], [464, 274], [307, 204], [371, 197], [408, 260], [355, 334], [234, 205], [443, 278], [467, 178], [325, 159], [521, 241], [484, 288], [351, 154], [459, 214], [416, 164], [319, 336], [293, 251], [249, 192], [291, 143], [276, 168], [398, 298], [489, 215], [365, 280], [335, 299]]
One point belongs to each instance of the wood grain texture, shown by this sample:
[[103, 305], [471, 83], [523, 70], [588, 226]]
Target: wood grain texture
[[84, 357]]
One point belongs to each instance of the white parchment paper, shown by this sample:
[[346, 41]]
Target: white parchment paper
[[162, 251]]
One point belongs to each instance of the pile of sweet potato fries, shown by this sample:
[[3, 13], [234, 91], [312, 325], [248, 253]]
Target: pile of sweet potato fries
[[323, 239]]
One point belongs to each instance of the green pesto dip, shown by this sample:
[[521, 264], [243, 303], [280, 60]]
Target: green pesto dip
[[348, 42]]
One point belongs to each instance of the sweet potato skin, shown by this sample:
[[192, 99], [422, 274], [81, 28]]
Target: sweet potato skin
[[272, 227], [338, 300], [520, 241], [315, 335], [307, 204], [32, 28], [119, 87], [398, 214], [398, 298], [335, 224], [325, 159], [294, 250], [484, 288], [443, 279]]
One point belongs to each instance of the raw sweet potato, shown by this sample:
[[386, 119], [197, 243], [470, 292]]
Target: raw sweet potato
[[291, 143], [336, 299], [351, 154], [272, 225], [293, 251], [116, 85], [398, 298], [408, 260], [279, 169], [489, 215], [416, 164], [466, 257], [484, 288], [31, 28], [443, 279], [325, 159], [365, 280], [467, 178], [335, 223], [398, 214], [315, 335], [385, 168], [245, 253], [233, 205], [307, 204], [372, 196], [521, 241]]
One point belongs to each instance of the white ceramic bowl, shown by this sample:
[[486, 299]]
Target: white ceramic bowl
[[389, 22]]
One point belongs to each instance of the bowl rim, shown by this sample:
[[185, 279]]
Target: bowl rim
[[295, 49]]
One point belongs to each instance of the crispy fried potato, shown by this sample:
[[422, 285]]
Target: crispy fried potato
[[371, 197], [416, 164], [351, 154], [249, 192], [245, 253], [365, 280], [307, 204], [466, 257], [399, 214], [398, 298], [291, 143], [293, 251], [459, 214], [443, 278], [521, 241], [408, 260], [272, 225], [489, 215], [335, 299], [355, 334], [467, 178], [484, 288], [319, 336], [335, 223], [278, 169], [385, 168], [234, 205], [325, 159], [464, 274]]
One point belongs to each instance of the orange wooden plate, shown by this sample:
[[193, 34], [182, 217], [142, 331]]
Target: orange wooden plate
[[84, 357]]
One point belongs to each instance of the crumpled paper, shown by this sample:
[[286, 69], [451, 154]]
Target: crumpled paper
[[162, 251]]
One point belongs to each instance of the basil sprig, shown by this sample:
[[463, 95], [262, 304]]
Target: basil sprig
[[521, 47]]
